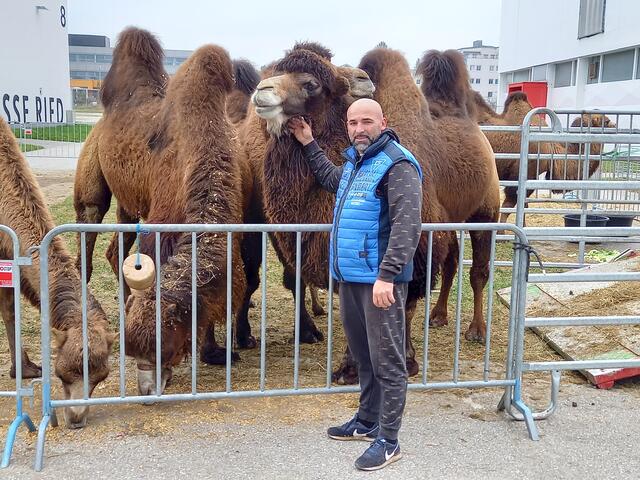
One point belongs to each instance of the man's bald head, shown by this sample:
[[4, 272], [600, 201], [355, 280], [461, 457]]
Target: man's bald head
[[365, 122]]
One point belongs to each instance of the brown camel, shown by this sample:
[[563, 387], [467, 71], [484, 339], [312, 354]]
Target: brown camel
[[24, 210], [246, 81], [254, 140], [168, 156], [516, 107]]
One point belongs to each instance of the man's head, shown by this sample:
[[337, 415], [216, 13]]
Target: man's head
[[365, 122]]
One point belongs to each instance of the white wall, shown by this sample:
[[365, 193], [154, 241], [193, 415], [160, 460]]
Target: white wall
[[34, 61], [545, 31]]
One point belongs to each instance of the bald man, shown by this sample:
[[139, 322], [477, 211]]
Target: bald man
[[376, 228]]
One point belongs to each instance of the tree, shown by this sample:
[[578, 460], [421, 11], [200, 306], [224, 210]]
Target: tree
[[382, 45]]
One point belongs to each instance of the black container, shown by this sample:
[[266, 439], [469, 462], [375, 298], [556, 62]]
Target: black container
[[624, 220], [573, 220]]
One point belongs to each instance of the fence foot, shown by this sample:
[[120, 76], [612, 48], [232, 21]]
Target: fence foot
[[42, 433], [11, 437]]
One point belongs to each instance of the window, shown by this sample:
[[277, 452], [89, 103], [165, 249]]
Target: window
[[593, 72], [478, 67], [539, 73], [485, 56], [492, 68], [73, 57], [477, 80], [490, 94], [471, 67], [495, 81], [617, 66], [86, 57], [104, 58], [472, 80], [491, 81], [591, 18], [521, 75], [563, 74]]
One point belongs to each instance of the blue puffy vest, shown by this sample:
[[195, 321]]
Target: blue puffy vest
[[361, 226]]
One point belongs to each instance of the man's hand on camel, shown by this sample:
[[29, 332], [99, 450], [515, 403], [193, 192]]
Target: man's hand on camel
[[300, 129]]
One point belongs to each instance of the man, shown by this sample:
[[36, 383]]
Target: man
[[376, 228]]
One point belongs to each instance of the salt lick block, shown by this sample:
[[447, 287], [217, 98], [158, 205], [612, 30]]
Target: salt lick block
[[139, 276]]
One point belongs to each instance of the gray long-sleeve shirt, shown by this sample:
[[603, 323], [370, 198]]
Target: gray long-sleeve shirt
[[403, 189]]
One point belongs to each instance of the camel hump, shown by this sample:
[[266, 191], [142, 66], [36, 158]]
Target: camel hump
[[246, 76], [445, 78], [515, 97], [137, 62]]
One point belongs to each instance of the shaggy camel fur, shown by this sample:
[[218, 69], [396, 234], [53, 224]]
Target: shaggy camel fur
[[168, 155], [246, 81], [24, 210], [516, 107]]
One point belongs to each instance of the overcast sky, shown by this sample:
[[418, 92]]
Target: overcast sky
[[261, 31]]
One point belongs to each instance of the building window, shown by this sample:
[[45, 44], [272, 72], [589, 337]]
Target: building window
[[521, 75], [489, 94], [591, 18], [492, 68], [539, 73], [495, 81], [593, 72], [86, 57], [563, 74], [491, 81], [104, 58], [617, 66], [73, 57], [471, 67], [472, 80], [477, 80], [478, 67]]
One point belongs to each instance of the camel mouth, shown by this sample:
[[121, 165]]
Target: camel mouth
[[269, 112]]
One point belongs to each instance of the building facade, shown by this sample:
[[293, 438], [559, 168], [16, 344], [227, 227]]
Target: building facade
[[34, 84], [482, 64], [587, 51], [90, 58]]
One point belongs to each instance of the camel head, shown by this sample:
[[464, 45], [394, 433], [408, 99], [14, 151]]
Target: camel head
[[140, 328], [304, 83], [68, 365], [516, 107], [360, 85]]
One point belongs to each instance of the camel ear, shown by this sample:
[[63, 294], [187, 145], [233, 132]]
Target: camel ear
[[341, 86], [58, 337]]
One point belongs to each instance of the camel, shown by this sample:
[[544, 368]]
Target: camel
[[24, 210], [516, 107], [166, 151], [246, 80], [254, 139], [306, 84]]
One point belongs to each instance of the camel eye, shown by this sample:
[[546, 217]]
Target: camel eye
[[311, 86]]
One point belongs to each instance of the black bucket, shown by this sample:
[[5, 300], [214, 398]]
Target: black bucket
[[573, 220], [623, 220]]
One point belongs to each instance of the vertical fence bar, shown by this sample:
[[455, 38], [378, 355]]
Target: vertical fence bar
[[229, 308], [296, 341], [85, 336], [427, 308], [487, 345], [456, 357], [330, 332], [263, 315], [194, 313], [158, 318], [123, 388]]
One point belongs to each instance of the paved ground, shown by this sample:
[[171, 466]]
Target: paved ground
[[54, 156], [444, 436]]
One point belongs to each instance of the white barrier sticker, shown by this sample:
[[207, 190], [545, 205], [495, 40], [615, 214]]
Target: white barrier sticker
[[6, 274]]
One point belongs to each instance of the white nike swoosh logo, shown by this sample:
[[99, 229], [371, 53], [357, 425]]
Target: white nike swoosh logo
[[358, 434], [387, 456]]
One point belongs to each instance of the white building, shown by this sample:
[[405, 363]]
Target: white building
[[587, 54], [34, 84], [482, 63]]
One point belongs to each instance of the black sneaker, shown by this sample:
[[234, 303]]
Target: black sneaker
[[354, 429], [380, 454]]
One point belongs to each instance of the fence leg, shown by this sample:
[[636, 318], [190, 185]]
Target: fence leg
[[42, 433], [526, 412], [11, 436]]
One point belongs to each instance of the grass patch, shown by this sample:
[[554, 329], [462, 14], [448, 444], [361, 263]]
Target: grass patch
[[60, 133], [29, 147]]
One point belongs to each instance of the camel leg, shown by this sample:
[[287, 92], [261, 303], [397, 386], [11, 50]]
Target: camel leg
[[316, 305], [29, 369], [309, 333], [439, 313], [128, 239], [251, 251], [211, 353], [481, 245], [91, 207]]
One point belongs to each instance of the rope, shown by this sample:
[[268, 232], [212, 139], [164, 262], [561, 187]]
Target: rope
[[530, 251], [139, 230]]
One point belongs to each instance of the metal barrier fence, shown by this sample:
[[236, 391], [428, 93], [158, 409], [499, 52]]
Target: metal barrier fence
[[21, 392], [509, 381], [51, 141]]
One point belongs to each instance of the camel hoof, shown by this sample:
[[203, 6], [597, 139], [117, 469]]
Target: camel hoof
[[311, 336], [412, 367], [438, 320], [318, 310], [345, 375], [247, 342], [475, 334], [29, 370], [217, 356]]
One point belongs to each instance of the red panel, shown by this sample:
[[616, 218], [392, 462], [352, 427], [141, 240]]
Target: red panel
[[536, 92]]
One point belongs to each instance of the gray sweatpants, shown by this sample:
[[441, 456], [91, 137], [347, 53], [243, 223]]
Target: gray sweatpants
[[376, 338]]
